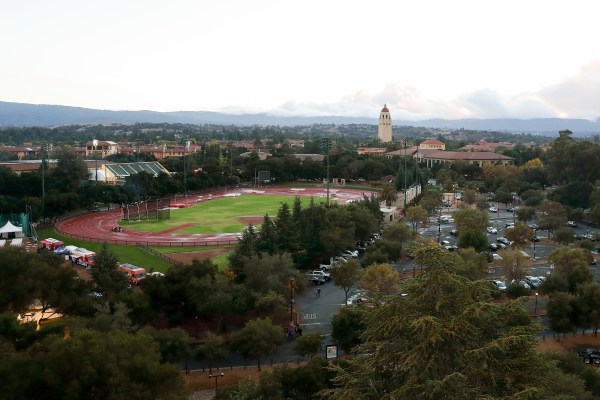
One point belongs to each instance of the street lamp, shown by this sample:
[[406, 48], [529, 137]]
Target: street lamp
[[534, 240], [292, 300], [221, 375], [536, 300], [196, 326], [439, 226]]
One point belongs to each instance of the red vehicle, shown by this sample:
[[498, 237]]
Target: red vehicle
[[135, 274], [49, 244], [83, 257]]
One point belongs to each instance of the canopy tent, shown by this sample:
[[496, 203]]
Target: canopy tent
[[10, 231]]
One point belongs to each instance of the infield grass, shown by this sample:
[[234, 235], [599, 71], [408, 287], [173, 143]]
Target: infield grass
[[220, 215]]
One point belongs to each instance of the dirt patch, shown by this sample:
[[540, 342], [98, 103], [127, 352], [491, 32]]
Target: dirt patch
[[189, 256], [569, 343], [250, 220]]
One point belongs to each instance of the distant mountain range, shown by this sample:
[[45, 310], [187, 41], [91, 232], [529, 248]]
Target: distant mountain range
[[20, 114]]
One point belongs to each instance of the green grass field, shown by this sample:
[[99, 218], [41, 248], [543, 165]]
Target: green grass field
[[128, 254], [220, 215]]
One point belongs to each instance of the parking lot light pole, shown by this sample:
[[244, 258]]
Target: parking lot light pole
[[534, 234], [536, 301]]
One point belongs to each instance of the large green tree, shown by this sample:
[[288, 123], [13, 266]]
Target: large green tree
[[445, 339]]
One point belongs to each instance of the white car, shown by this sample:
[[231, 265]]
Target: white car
[[496, 257], [571, 223], [322, 273], [350, 253], [492, 230], [500, 285], [493, 209]]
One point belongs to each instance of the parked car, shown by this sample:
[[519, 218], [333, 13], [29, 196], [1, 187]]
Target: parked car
[[454, 232], [496, 257], [445, 243], [451, 247], [535, 227], [319, 272], [509, 225], [503, 240], [524, 254], [350, 253], [520, 283], [534, 238], [511, 209], [571, 224], [493, 209], [316, 279], [492, 230], [500, 285], [533, 281], [494, 247]]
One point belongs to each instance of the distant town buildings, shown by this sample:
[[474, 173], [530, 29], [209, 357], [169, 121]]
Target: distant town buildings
[[384, 133]]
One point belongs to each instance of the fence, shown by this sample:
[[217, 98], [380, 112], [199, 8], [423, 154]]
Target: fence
[[137, 242], [157, 254]]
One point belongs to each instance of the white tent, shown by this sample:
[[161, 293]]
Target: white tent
[[10, 231]]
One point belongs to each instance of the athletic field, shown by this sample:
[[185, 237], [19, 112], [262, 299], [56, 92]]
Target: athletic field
[[222, 215]]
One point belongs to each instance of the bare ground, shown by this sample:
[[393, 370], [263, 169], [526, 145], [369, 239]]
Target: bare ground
[[189, 256]]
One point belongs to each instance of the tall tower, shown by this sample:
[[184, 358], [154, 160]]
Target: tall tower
[[385, 125]]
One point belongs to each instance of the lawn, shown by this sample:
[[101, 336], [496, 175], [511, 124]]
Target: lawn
[[219, 216], [128, 254]]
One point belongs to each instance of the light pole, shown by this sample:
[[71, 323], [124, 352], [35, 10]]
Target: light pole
[[216, 377], [326, 142], [439, 226], [404, 176], [292, 300], [534, 240], [196, 326], [536, 300]]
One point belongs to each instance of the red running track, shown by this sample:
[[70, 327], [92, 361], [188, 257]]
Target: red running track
[[96, 227]]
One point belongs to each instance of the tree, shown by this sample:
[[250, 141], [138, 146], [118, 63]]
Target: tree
[[267, 238], [560, 312], [572, 265], [172, 343], [397, 232], [469, 219], [212, 349], [415, 215], [469, 197], [346, 275], [564, 236], [444, 339], [347, 327], [520, 235], [258, 338], [473, 238], [380, 279], [246, 247], [525, 214], [308, 344], [108, 365], [108, 278], [552, 216], [388, 194], [514, 265]]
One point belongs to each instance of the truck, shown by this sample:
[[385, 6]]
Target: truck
[[135, 274], [590, 356], [82, 257], [49, 244]]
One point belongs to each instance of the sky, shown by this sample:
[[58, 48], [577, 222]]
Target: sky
[[424, 59]]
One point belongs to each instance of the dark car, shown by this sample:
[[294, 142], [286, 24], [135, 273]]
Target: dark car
[[535, 239], [454, 232]]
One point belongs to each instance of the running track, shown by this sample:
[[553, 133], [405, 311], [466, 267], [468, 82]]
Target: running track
[[96, 226]]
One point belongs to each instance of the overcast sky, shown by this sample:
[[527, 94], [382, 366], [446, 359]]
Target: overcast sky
[[425, 59]]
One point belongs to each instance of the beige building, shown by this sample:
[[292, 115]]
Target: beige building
[[101, 148], [384, 133], [432, 144]]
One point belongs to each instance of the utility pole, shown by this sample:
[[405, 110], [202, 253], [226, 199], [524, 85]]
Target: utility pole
[[43, 149], [326, 143], [404, 175]]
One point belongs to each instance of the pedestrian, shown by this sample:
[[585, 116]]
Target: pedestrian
[[299, 331]]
